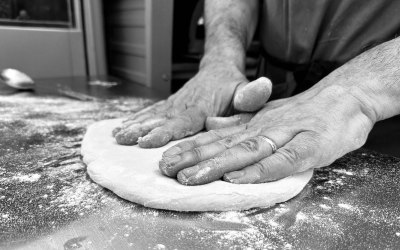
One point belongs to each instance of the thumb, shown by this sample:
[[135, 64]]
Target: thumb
[[252, 96], [213, 123]]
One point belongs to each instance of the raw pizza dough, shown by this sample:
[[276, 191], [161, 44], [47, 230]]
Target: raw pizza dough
[[132, 173]]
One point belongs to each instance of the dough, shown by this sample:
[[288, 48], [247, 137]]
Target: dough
[[132, 173]]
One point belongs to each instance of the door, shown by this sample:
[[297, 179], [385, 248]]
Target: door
[[139, 41], [43, 38]]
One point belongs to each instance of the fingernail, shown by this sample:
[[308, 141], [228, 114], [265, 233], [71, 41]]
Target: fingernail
[[172, 151], [244, 179], [172, 160], [124, 137], [189, 172], [116, 131], [182, 178], [154, 140], [165, 168], [188, 176], [233, 176], [227, 179], [144, 142]]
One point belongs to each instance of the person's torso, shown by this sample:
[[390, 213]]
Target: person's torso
[[301, 31], [313, 37]]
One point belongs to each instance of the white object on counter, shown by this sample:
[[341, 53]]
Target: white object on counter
[[17, 79]]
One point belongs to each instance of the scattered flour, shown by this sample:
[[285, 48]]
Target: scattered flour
[[27, 178], [346, 206], [159, 247], [301, 216], [325, 206], [230, 216], [342, 171]]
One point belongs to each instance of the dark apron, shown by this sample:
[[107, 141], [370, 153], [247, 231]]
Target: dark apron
[[305, 40]]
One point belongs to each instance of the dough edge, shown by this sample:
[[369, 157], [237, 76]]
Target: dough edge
[[224, 197]]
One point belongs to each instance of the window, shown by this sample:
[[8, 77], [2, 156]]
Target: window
[[37, 13]]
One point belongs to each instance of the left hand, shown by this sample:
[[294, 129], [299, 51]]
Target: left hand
[[310, 130]]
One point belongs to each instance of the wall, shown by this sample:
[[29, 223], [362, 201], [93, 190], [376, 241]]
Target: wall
[[138, 38], [125, 38]]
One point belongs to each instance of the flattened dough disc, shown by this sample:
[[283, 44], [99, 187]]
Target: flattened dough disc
[[132, 173]]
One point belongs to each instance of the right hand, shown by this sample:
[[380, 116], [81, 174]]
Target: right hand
[[212, 92]]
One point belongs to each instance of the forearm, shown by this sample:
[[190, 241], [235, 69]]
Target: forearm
[[374, 79], [230, 26]]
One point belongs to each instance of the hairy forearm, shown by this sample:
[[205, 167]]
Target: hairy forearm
[[373, 78], [230, 26]]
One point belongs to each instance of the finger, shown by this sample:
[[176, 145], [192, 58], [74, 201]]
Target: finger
[[147, 112], [253, 96], [213, 123], [242, 155], [142, 115], [203, 139], [296, 156], [129, 135], [142, 119], [116, 131], [139, 117], [170, 166], [188, 123]]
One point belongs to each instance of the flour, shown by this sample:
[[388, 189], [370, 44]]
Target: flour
[[231, 216], [42, 178], [325, 206], [83, 195], [343, 171], [27, 178], [346, 206], [301, 216], [159, 247]]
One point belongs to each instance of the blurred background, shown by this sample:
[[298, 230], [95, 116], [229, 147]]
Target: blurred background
[[152, 43], [157, 43]]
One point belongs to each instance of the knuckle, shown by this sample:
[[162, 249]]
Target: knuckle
[[228, 142], [214, 134], [250, 145], [197, 154], [319, 124], [302, 157], [334, 91], [217, 162], [263, 170], [290, 155], [187, 145]]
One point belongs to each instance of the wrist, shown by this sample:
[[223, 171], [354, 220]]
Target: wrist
[[377, 99], [221, 67], [223, 59], [366, 104], [372, 77], [350, 92]]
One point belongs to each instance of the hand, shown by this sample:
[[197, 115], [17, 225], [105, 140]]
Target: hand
[[310, 130], [209, 93]]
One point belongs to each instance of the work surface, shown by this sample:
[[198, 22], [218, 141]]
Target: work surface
[[47, 200]]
